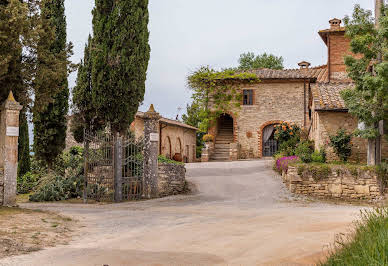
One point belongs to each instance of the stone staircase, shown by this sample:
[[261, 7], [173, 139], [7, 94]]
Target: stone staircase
[[222, 145]]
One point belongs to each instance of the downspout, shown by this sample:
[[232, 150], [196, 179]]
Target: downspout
[[329, 57], [304, 103]]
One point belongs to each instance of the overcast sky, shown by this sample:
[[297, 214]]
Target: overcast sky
[[186, 34]]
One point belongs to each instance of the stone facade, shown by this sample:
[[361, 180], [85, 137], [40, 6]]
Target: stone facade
[[274, 102], [172, 179], [341, 183]]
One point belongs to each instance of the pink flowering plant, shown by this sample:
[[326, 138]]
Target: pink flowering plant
[[283, 163]]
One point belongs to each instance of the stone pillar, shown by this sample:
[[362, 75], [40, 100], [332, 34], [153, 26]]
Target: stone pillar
[[9, 134], [233, 151], [207, 152], [151, 152]]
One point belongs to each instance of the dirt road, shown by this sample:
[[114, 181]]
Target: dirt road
[[242, 215]]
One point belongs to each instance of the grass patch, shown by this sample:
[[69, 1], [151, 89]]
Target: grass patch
[[366, 245]]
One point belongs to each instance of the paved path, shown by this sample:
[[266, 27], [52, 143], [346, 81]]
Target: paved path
[[242, 215]]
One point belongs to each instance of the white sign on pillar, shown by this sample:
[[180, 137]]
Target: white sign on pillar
[[154, 137], [12, 131]]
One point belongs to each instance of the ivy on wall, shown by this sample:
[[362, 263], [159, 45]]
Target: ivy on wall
[[217, 92]]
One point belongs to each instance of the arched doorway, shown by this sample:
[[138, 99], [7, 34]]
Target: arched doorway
[[166, 149], [270, 144], [178, 147], [225, 127], [224, 137]]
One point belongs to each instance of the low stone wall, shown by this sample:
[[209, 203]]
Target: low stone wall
[[334, 181], [1, 186], [172, 179]]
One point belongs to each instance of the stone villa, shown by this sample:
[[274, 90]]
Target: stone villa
[[308, 96]]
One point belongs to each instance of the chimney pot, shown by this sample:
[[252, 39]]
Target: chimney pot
[[304, 65], [335, 23]]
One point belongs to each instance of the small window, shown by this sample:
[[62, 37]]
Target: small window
[[248, 97]]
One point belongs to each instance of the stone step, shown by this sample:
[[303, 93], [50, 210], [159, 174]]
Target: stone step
[[224, 138], [222, 149], [222, 146]]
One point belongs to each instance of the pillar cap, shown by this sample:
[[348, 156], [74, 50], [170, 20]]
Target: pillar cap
[[151, 113], [10, 97], [11, 103]]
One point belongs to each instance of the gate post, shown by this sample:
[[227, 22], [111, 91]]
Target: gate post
[[151, 152], [118, 168], [9, 134]]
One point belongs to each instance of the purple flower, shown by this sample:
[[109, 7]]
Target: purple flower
[[282, 163]]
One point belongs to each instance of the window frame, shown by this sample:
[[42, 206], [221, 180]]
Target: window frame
[[250, 97]]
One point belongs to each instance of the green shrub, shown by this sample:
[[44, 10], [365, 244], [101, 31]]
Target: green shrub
[[26, 183], [287, 131], [60, 188], [341, 143], [382, 173], [288, 147], [66, 181], [366, 245], [304, 151], [319, 156], [164, 159]]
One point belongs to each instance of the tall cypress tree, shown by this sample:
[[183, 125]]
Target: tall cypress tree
[[120, 58], [50, 121], [84, 114]]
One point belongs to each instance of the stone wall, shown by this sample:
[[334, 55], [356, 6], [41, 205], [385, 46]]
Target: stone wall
[[338, 182], [172, 179]]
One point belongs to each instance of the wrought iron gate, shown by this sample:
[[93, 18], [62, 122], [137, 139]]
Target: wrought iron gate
[[113, 167], [132, 168], [270, 147]]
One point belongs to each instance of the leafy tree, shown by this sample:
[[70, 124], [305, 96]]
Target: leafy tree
[[193, 118], [84, 113], [120, 58], [368, 100], [14, 35], [251, 61], [50, 121]]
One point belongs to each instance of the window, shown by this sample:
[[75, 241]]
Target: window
[[247, 97]]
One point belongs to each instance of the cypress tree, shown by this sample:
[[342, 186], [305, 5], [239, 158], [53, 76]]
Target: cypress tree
[[120, 58], [84, 113], [49, 119]]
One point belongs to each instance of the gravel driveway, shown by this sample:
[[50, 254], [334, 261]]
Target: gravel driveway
[[242, 215]]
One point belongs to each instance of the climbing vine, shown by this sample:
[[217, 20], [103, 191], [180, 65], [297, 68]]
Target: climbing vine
[[217, 92]]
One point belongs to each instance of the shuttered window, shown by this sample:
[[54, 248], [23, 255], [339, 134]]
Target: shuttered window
[[247, 97]]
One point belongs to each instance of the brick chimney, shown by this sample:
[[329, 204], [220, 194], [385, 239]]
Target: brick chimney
[[304, 65], [335, 23]]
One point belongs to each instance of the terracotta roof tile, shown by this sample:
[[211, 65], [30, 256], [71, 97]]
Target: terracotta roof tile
[[327, 96], [169, 121], [316, 73]]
